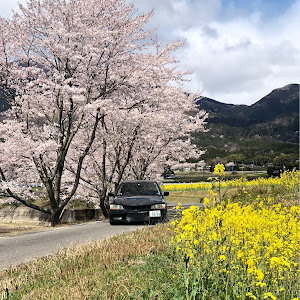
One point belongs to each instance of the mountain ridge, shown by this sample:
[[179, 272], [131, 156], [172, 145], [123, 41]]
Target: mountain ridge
[[280, 103], [285, 98], [268, 127]]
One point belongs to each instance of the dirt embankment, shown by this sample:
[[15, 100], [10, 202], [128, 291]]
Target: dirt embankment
[[7, 229]]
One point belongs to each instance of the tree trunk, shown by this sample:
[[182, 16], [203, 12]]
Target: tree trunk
[[103, 206], [55, 217]]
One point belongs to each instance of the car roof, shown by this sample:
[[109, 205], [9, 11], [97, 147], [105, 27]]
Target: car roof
[[138, 181]]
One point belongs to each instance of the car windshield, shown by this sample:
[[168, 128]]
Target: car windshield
[[138, 188]]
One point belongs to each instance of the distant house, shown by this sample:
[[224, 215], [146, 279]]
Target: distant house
[[230, 166]]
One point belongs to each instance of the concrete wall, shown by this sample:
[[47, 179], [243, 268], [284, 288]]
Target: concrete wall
[[23, 214]]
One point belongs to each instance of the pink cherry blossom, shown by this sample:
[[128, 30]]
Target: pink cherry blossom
[[94, 99]]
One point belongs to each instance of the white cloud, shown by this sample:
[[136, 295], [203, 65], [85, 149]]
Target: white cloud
[[237, 53], [172, 14], [241, 60]]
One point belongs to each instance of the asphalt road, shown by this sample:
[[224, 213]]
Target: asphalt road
[[15, 250]]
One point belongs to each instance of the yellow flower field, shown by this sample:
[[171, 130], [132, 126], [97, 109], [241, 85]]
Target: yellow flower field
[[289, 179], [237, 250], [254, 248]]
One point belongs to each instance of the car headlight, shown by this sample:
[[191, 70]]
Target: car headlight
[[116, 206], [158, 206]]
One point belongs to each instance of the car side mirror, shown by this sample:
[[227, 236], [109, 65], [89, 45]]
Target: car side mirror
[[166, 193], [110, 194]]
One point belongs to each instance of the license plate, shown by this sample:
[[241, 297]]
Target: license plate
[[154, 213]]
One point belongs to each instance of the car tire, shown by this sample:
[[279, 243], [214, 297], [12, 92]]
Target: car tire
[[112, 222]]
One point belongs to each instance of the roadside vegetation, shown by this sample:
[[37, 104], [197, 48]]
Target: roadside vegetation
[[200, 176], [9, 229], [243, 245], [281, 189]]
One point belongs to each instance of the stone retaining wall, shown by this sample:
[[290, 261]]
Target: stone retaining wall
[[23, 214]]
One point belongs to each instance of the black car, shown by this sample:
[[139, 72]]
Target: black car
[[141, 201]]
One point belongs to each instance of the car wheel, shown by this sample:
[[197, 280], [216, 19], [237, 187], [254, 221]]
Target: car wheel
[[112, 222]]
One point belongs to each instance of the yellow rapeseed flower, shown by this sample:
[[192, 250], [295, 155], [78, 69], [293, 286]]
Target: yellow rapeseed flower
[[251, 296], [222, 257], [269, 295], [219, 169], [259, 238], [260, 241], [259, 275]]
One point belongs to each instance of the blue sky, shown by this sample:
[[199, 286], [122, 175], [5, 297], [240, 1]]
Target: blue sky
[[270, 8], [239, 50]]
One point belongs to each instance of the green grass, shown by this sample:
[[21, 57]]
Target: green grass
[[133, 266], [187, 196], [198, 176]]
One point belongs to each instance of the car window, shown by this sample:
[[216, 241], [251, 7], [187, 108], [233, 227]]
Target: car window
[[138, 188]]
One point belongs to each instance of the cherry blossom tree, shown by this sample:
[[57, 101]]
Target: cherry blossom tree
[[136, 143], [167, 140], [108, 157], [65, 64], [94, 100]]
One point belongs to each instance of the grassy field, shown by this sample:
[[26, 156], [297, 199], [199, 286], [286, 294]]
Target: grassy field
[[244, 245], [193, 176], [187, 196], [132, 266]]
